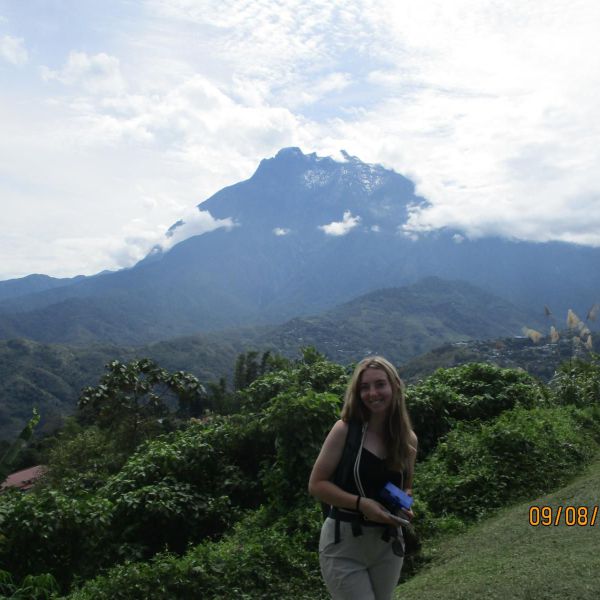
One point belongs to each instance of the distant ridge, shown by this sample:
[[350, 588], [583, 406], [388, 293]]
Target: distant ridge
[[398, 322], [32, 284]]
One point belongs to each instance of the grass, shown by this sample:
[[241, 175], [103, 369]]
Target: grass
[[506, 558]]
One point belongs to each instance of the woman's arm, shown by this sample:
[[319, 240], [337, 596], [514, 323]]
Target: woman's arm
[[319, 485]]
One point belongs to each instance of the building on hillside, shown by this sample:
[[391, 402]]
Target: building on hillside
[[24, 479]]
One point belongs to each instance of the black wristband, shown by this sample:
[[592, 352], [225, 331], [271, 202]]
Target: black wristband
[[358, 503]]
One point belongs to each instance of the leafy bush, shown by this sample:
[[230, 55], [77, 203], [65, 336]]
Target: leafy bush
[[481, 467], [33, 587], [189, 484], [467, 393], [52, 531], [299, 424], [82, 458], [313, 373], [577, 382], [174, 490], [133, 399], [260, 558]]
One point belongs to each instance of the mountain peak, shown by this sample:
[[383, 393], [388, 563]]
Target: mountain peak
[[289, 161], [289, 152]]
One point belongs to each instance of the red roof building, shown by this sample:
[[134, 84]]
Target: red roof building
[[23, 480]]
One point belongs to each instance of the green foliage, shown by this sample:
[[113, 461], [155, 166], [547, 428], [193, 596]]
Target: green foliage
[[128, 401], [261, 557], [53, 531], [467, 393], [247, 368], [178, 489], [219, 399], [33, 587], [577, 382], [481, 467], [219, 508], [81, 458], [132, 400], [188, 485], [300, 424], [312, 373]]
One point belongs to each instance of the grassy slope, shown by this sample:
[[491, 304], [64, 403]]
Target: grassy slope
[[505, 557]]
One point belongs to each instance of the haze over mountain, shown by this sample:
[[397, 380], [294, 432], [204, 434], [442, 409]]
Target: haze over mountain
[[302, 234], [399, 323]]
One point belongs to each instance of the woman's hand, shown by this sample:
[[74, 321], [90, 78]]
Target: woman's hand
[[407, 513], [376, 512]]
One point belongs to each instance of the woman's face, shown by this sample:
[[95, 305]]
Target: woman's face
[[375, 390]]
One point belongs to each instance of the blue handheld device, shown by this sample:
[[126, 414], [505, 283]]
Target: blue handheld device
[[395, 498]]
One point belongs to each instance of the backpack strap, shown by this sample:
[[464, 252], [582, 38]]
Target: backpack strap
[[343, 471]]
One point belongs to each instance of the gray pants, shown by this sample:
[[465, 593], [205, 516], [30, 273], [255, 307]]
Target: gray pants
[[358, 568]]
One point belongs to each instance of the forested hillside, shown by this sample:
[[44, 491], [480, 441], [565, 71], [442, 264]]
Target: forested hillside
[[164, 489], [400, 323]]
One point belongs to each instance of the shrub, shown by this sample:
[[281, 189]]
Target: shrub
[[577, 382], [260, 558], [190, 484], [299, 425], [82, 459], [33, 587], [475, 391], [51, 531], [481, 467]]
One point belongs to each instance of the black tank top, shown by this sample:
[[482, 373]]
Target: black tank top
[[374, 474]]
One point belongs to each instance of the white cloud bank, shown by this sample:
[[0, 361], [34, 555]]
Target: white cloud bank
[[196, 222], [338, 228], [490, 108]]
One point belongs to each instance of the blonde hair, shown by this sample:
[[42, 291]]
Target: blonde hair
[[399, 431]]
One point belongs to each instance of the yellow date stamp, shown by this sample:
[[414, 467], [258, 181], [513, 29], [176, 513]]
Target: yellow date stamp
[[570, 515]]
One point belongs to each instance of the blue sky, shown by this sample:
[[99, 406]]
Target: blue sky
[[117, 118]]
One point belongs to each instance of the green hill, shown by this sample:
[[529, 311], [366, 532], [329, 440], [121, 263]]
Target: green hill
[[399, 323], [505, 557], [540, 360]]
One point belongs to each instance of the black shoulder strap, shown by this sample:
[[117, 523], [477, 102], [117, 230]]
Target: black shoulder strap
[[345, 467]]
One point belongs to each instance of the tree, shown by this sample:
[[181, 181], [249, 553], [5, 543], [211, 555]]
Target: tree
[[132, 400]]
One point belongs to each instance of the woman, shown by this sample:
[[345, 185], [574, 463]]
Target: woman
[[361, 548]]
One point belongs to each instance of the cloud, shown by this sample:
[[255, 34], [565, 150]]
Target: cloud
[[135, 241], [280, 231], [295, 54], [97, 74], [337, 228], [140, 236], [196, 222], [334, 82], [490, 108], [492, 114], [13, 51]]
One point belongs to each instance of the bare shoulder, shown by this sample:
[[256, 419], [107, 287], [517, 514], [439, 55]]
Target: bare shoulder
[[337, 435], [331, 452], [340, 427]]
